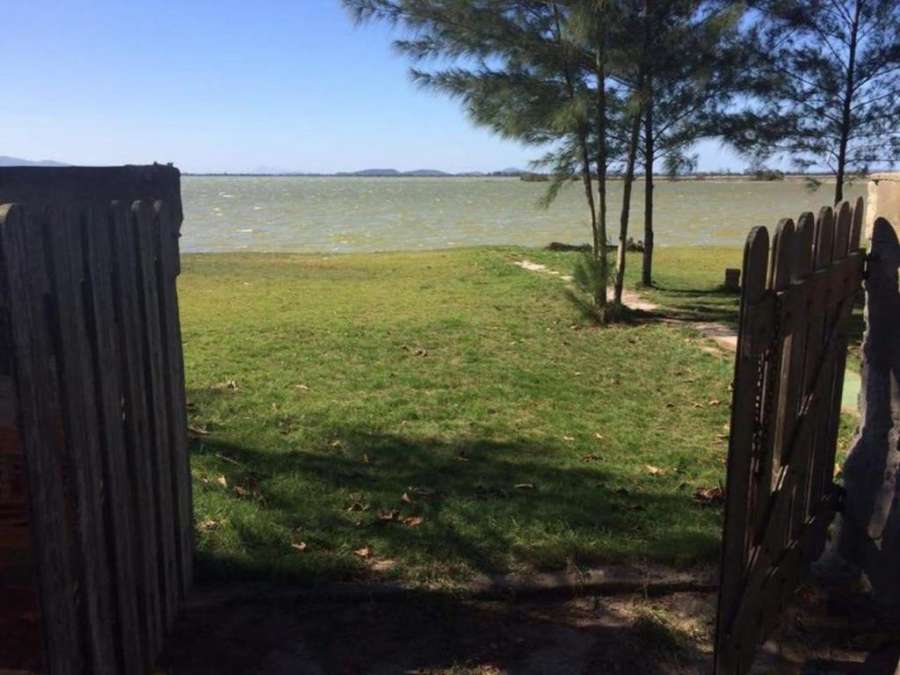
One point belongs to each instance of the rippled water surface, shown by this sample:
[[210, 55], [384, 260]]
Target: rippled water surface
[[378, 214]]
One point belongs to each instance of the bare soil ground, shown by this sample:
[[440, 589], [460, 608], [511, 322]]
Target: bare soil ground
[[271, 631], [429, 634]]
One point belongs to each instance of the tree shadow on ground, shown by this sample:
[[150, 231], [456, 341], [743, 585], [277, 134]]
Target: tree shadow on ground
[[429, 633], [717, 305], [723, 306], [476, 498]]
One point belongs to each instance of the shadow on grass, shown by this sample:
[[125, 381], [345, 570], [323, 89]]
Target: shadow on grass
[[723, 306], [483, 504], [699, 304]]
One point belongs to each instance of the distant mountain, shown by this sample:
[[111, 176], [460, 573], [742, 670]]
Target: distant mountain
[[394, 173], [18, 161], [371, 172], [426, 172]]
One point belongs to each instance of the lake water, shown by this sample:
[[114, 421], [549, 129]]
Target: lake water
[[379, 214]]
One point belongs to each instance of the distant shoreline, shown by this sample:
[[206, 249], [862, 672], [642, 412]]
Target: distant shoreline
[[657, 177]]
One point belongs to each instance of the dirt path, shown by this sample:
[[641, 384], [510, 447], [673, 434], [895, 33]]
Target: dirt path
[[724, 336]]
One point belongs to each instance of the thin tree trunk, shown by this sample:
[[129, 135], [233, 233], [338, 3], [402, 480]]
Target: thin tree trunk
[[647, 262], [647, 268], [848, 100], [634, 139], [602, 162], [589, 188], [582, 136]]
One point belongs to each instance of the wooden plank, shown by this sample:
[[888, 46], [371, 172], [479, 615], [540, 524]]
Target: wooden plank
[[173, 372], [143, 224], [765, 591], [812, 280], [26, 285], [765, 466], [735, 543], [825, 245], [794, 387], [136, 425], [80, 422], [818, 324], [822, 251], [762, 595], [101, 321], [841, 243], [827, 442]]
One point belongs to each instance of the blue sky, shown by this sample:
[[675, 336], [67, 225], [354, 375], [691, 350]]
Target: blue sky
[[230, 86]]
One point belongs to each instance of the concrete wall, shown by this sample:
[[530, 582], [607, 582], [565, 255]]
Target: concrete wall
[[883, 200]]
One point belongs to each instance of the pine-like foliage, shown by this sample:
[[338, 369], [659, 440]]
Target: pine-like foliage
[[575, 77], [826, 82], [521, 69]]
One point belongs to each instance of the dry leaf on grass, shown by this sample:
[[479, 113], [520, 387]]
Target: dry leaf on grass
[[221, 480], [524, 486], [568, 438], [654, 470], [598, 436], [230, 460], [299, 546], [197, 431], [209, 524], [710, 496], [420, 491], [388, 516], [413, 521], [301, 387], [714, 401], [364, 552], [592, 457], [406, 499], [227, 385], [336, 444]]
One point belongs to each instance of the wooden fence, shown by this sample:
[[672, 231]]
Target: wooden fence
[[796, 304], [90, 330]]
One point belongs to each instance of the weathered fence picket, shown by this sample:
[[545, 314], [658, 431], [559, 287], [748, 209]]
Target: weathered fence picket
[[89, 324], [796, 303]]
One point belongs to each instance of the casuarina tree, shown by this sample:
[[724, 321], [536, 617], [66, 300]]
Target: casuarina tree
[[692, 62], [522, 69], [825, 84]]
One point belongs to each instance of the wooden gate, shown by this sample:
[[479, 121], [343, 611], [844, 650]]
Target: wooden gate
[[91, 346], [796, 303]]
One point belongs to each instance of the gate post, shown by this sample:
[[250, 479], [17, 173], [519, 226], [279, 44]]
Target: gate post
[[869, 528]]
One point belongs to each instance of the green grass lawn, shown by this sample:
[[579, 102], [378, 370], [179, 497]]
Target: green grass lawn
[[445, 413], [687, 281]]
